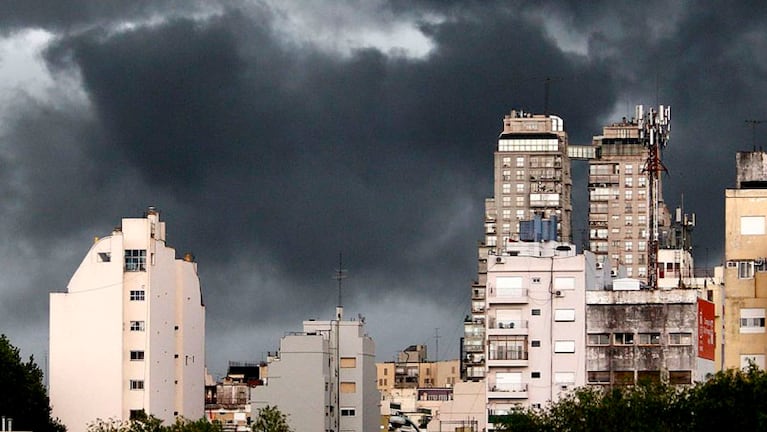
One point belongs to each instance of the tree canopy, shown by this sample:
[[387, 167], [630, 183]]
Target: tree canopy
[[271, 419], [23, 397], [148, 423], [734, 399]]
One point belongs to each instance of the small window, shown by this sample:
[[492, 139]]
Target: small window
[[599, 377], [349, 362], [598, 339], [348, 412], [137, 355], [535, 374], [564, 315], [137, 384], [624, 338], [137, 295], [104, 257], [135, 260], [536, 312], [535, 343], [536, 280], [348, 387], [752, 320], [649, 338], [136, 414], [137, 326], [679, 377], [564, 347], [745, 269]]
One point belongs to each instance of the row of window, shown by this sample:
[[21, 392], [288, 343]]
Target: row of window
[[639, 338], [629, 377]]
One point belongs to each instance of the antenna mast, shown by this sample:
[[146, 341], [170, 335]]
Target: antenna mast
[[753, 124], [340, 276], [654, 129]]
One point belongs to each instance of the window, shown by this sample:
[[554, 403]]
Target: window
[[507, 201], [521, 162], [520, 200], [137, 384], [535, 374], [104, 256], [752, 320], [507, 286], [535, 344], [624, 377], [564, 377], [137, 295], [137, 326], [680, 338], [679, 377], [349, 362], [564, 346], [623, 338], [564, 283], [520, 187], [135, 260], [348, 412], [752, 225], [508, 348], [746, 360], [506, 188], [629, 246], [649, 338], [136, 414], [137, 355], [599, 376], [348, 387], [506, 162], [598, 339], [745, 269], [564, 315], [536, 280], [536, 312]]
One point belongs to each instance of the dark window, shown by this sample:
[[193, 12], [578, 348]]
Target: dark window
[[137, 295], [679, 377], [535, 374], [137, 355], [135, 260], [536, 311], [136, 414], [137, 384], [599, 376], [535, 343]]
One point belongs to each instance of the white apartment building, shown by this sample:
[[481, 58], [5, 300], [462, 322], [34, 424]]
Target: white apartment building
[[535, 323], [128, 334], [324, 378]]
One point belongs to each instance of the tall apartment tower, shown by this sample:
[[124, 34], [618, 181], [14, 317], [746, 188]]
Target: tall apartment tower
[[127, 336], [745, 272], [532, 178], [324, 378], [619, 207]]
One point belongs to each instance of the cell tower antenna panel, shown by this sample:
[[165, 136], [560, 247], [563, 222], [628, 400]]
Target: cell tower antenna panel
[[654, 130]]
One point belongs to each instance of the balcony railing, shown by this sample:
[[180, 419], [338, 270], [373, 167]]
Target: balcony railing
[[507, 354], [508, 324]]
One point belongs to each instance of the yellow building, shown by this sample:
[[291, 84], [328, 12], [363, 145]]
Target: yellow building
[[745, 272]]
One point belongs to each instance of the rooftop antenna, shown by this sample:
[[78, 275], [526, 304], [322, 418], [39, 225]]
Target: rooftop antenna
[[753, 124], [340, 276]]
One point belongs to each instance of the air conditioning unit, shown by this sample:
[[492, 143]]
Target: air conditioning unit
[[600, 266], [499, 260]]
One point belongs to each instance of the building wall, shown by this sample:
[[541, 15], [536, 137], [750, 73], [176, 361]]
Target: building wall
[[92, 334], [307, 361], [535, 333], [745, 279]]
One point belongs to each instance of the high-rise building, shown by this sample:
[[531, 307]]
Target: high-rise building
[[324, 378], [127, 336], [745, 272], [619, 206], [535, 323], [532, 178]]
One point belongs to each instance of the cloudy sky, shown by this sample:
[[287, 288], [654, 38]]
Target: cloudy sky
[[273, 135]]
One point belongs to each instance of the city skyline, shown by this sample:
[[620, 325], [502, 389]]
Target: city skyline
[[274, 135]]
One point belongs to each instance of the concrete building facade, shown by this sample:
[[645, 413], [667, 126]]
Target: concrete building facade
[[745, 270], [619, 207], [132, 319], [324, 378], [535, 324]]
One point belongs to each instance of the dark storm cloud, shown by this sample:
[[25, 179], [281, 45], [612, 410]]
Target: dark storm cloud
[[269, 156]]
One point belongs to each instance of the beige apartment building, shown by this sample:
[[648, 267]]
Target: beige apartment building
[[619, 207], [745, 272]]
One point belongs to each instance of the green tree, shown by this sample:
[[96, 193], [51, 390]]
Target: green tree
[[148, 423], [271, 419], [23, 397]]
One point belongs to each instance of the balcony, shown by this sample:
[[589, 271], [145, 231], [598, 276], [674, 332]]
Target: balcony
[[478, 293], [506, 391], [507, 357], [517, 295], [507, 327]]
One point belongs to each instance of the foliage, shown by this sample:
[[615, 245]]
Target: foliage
[[733, 399], [271, 419], [23, 397], [146, 423]]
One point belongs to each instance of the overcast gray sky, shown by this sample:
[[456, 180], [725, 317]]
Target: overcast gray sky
[[273, 135]]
